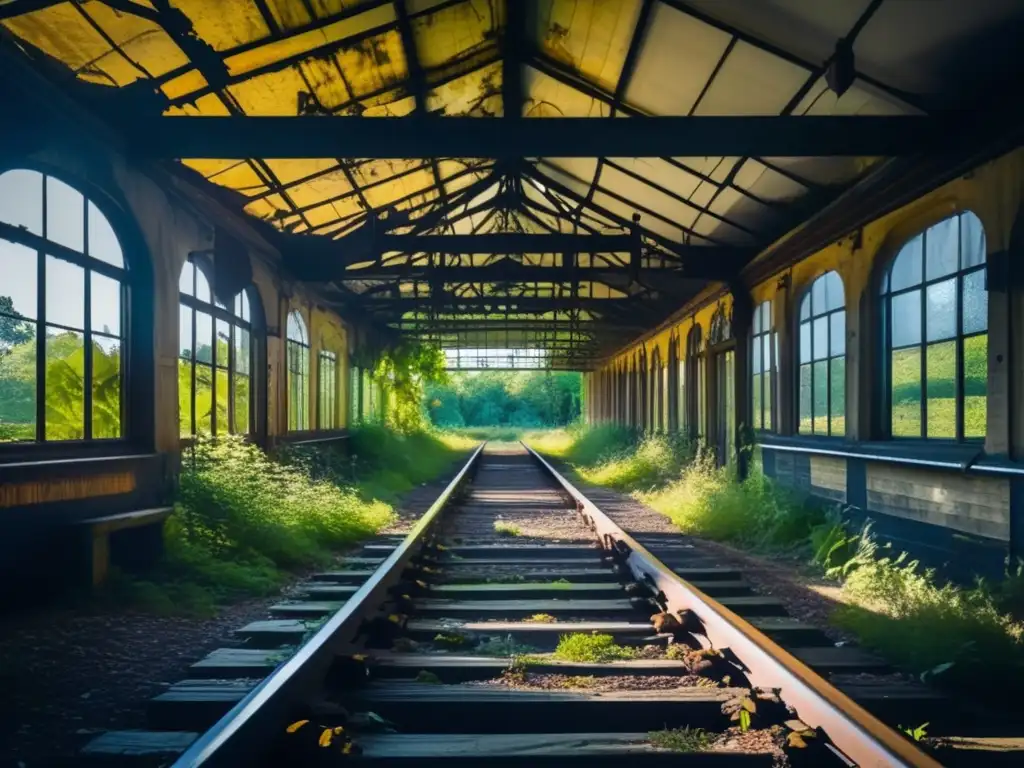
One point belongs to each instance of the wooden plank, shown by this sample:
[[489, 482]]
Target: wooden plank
[[607, 589], [136, 748], [535, 562], [311, 609], [196, 704], [273, 633], [846, 659], [482, 708], [593, 750], [128, 519], [525, 575], [239, 662], [325, 590], [356, 576], [790, 632], [523, 608], [990, 751], [722, 588], [457, 668], [709, 573], [536, 635], [754, 605], [521, 552]]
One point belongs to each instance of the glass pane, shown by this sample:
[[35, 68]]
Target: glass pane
[[975, 385], [819, 396], [241, 404], [942, 249], [17, 381], [757, 319], [21, 199], [223, 343], [766, 315], [941, 310], [818, 296], [65, 294], [204, 399], [296, 328], [975, 302], [242, 350], [805, 306], [65, 215], [769, 396], [185, 397], [223, 398], [837, 385], [185, 347], [972, 241], [906, 319], [204, 337], [185, 280], [755, 387], [805, 342], [940, 389], [755, 355], [906, 392], [65, 385], [833, 292], [106, 304], [906, 269], [766, 353], [202, 286], [18, 291], [103, 244], [837, 333], [106, 388], [805, 399], [821, 338]]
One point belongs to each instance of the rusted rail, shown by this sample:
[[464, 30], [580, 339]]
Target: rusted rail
[[863, 739]]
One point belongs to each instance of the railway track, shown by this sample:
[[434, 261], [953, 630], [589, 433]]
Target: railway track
[[516, 624]]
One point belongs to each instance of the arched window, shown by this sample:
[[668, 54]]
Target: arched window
[[823, 358], [214, 359], [327, 390], [935, 326], [764, 360], [63, 329], [696, 412], [298, 373]]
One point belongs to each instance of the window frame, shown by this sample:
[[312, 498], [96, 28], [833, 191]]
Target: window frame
[[885, 295], [769, 374], [303, 345], [125, 276], [695, 376], [332, 358], [829, 314], [234, 322]]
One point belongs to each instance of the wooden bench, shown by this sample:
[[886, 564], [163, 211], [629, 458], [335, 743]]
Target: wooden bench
[[146, 538]]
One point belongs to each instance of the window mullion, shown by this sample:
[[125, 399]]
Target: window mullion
[[41, 336], [87, 351], [231, 378]]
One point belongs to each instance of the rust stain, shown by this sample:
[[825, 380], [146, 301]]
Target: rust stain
[[66, 489]]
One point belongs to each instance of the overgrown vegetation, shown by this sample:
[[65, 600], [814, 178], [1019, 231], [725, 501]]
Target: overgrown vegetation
[[591, 648], [959, 637], [681, 739], [514, 399], [503, 528], [244, 521]]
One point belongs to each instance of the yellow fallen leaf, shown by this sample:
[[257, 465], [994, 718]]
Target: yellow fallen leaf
[[347, 749], [358, 657], [296, 725], [325, 737], [339, 729]]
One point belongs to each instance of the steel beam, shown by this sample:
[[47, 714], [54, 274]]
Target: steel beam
[[512, 137]]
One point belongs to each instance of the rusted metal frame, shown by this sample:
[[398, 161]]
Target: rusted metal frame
[[242, 734], [862, 737], [816, 73]]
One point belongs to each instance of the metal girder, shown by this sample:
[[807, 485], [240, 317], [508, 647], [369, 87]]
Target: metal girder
[[499, 325], [450, 303], [515, 272], [512, 137]]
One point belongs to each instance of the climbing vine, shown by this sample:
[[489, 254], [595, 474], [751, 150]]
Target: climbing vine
[[403, 372]]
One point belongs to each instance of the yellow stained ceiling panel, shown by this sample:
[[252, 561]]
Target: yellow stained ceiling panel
[[270, 94], [209, 167], [267, 207], [225, 24], [590, 36], [373, 65], [275, 51], [210, 105], [455, 31], [385, 194], [475, 94], [547, 97], [289, 14], [241, 178], [291, 170], [327, 80], [392, 104]]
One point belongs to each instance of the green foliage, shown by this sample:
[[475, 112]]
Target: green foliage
[[404, 372], [503, 528], [514, 399], [681, 739], [916, 734], [591, 648]]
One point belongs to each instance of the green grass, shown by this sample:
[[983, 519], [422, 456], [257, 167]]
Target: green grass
[[503, 528], [681, 739], [245, 521], [591, 648]]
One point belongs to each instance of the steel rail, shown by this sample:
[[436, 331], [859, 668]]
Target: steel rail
[[243, 732], [859, 735]]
